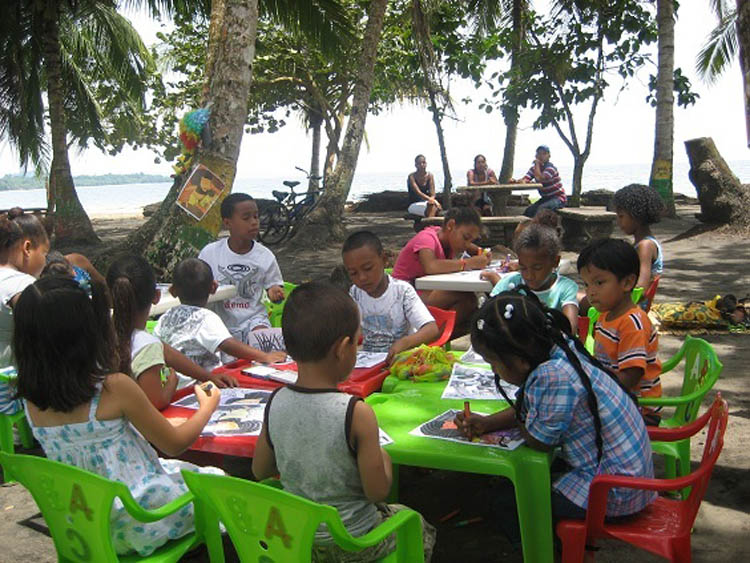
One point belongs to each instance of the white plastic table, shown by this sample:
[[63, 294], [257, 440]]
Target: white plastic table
[[167, 301], [456, 281]]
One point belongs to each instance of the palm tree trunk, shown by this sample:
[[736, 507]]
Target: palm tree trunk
[[447, 179], [743, 40], [510, 112], [72, 224], [326, 223], [316, 124], [232, 50], [661, 167]]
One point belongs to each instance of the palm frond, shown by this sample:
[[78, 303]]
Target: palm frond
[[325, 22], [720, 7], [720, 49], [170, 8]]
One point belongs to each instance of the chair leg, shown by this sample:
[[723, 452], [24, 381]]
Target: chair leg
[[6, 434], [574, 551], [683, 451], [681, 552], [24, 431]]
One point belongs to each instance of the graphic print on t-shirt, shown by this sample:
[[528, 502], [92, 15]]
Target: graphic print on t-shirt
[[245, 278]]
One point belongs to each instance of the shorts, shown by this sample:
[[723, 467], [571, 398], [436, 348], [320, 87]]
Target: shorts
[[417, 208]]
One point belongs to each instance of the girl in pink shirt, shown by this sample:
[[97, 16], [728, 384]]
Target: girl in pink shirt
[[438, 250]]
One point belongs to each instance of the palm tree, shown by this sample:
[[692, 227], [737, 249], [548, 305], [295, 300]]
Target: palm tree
[[66, 49], [661, 167], [730, 38]]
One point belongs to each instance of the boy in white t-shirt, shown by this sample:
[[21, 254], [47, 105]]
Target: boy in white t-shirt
[[394, 318], [194, 330], [246, 264]]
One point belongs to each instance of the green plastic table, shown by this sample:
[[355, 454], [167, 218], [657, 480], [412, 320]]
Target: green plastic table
[[403, 405]]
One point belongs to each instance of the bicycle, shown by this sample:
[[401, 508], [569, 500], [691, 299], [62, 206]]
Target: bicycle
[[280, 217]]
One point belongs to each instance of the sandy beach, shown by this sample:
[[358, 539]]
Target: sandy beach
[[699, 264]]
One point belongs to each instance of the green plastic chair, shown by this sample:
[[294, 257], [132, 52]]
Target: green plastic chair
[[701, 371], [275, 310], [150, 326], [267, 524], [76, 506], [8, 421]]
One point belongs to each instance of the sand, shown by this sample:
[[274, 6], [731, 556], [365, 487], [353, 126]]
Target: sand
[[696, 268]]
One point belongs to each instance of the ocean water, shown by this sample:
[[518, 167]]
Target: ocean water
[[128, 199]]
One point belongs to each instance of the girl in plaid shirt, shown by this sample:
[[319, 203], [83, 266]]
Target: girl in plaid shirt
[[566, 399]]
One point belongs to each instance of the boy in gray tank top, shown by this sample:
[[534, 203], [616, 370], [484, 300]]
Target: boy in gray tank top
[[324, 443]]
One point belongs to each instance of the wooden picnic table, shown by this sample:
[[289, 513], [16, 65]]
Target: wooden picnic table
[[499, 194]]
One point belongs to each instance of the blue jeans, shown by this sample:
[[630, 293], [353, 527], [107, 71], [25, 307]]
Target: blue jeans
[[552, 203]]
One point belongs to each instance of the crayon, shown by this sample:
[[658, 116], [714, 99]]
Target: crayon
[[207, 386], [450, 515], [467, 522], [467, 414]]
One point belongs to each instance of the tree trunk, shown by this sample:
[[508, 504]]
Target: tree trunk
[[743, 40], [447, 180], [578, 161], [316, 123], [661, 167], [72, 224], [723, 199], [179, 235], [326, 222], [510, 113]]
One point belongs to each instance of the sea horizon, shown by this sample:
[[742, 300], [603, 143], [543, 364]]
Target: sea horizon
[[129, 199]]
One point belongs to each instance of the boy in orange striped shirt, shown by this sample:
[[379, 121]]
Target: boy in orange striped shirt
[[624, 339]]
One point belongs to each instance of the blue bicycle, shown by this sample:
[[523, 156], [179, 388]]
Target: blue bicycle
[[278, 219]]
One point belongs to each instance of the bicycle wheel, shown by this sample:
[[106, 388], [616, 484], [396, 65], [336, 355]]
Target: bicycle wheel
[[302, 210], [274, 224]]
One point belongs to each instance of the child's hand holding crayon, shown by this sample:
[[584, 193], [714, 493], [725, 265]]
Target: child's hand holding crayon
[[208, 395], [472, 425]]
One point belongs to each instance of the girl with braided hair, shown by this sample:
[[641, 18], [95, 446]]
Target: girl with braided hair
[[638, 207], [566, 399]]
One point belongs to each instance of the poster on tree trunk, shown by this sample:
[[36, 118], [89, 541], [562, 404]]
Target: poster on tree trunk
[[200, 192]]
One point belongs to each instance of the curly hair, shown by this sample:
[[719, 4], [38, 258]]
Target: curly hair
[[641, 202]]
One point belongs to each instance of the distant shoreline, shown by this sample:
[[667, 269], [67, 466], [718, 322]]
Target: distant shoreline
[[9, 182]]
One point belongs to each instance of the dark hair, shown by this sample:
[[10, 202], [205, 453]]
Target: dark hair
[[517, 323], [227, 206], [316, 316], [132, 285], [360, 239], [477, 157], [537, 236], [416, 158], [63, 342], [192, 281], [543, 148], [17, 225], [57, 265], [641, 202], [463, 215], [613, 255]]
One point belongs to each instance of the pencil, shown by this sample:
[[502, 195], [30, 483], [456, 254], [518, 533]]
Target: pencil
[[467, 522], [449, 515], [467, 414]]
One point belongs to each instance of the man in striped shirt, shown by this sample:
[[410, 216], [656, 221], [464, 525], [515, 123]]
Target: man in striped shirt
[[552, 192]]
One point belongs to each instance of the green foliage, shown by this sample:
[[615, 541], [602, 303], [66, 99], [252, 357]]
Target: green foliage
[[721, 45], [685, 96]]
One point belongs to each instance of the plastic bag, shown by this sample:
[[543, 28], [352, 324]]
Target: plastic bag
[[423, 364]]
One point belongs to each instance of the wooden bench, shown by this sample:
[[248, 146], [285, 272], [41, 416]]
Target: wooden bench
[[581, 225], [497, 230], [31, 210]]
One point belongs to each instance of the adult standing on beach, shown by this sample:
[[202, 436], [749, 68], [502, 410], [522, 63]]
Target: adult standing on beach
[[481, 175], [421, 186], [552, 192]]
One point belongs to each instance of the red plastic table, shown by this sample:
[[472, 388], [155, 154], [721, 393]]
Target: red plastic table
[[362, 382]]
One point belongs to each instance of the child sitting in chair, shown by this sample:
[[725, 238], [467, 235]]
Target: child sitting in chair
[[394, 318], [324, 443], [194, 330]]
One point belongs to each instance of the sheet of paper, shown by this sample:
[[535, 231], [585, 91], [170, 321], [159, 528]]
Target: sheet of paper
[[441, 428], [475, 382], [369, 359], [230, 396], [240, 412], [259, 371]]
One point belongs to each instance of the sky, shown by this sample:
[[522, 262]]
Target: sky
[[623, 132]]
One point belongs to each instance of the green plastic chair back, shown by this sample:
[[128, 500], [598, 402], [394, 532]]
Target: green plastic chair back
[[388, 271], [8, 421], [701, 372], [267, 524], [275, 310], [150, 326], [76, 506]]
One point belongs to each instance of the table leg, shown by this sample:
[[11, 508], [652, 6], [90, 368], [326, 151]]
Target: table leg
[[393, 495], [534, 502]]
